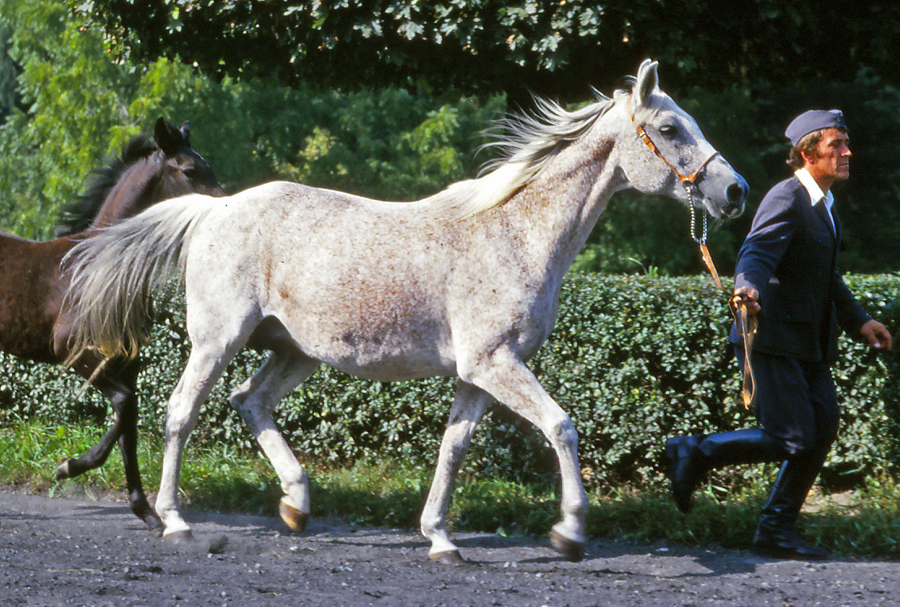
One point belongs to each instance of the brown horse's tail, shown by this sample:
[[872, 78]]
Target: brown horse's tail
[[113, 274]]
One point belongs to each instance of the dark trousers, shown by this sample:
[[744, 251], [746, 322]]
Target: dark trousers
[[796, 406], [796, 402]]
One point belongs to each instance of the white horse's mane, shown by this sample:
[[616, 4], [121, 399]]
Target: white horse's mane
[[531, 142]]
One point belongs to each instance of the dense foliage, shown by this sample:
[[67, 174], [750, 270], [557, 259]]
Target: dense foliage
[[510, 45], [77, 104], [633, 360]]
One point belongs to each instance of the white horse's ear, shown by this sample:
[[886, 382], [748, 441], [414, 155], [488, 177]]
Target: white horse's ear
[[646, 83]]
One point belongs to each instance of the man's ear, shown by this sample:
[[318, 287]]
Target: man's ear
[[809, 156]]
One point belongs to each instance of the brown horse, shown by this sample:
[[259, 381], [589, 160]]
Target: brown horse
[[32, 322]]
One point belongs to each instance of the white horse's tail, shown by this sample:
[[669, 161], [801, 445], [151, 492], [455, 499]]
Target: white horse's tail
[[113, 274]]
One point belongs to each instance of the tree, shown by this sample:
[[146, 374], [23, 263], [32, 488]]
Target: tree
[[53, 129], [552, 47], [76, 103]]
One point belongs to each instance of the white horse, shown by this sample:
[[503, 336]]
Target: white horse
[[465, 283]]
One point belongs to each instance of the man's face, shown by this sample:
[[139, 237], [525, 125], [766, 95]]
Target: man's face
[[831, 159]]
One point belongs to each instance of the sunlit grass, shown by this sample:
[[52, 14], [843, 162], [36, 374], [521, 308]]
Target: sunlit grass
[[389, 493], [30, 453]]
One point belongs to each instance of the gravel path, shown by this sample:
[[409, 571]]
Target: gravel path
[[56, 551]]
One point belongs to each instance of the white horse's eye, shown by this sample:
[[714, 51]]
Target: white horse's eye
[[668, 131]]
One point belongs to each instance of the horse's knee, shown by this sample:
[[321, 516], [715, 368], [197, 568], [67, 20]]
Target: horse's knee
[[236, 400], [125, 407], [457, 435]]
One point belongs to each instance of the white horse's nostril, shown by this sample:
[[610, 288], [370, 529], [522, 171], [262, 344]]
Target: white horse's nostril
[[736, 194]]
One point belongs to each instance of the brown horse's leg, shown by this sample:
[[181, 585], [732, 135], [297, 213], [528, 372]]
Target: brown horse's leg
[[90, 459], [119, 384], [128, 417], [93, 457], [124, 402]]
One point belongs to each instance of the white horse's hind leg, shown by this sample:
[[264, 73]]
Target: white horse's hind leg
[[203, 369], [255, 400], [514, 385], [469, 406]]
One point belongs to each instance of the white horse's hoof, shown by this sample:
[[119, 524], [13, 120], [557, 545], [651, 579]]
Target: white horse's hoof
[[447, 557], [569, 549], [179, 538], [292, 517]]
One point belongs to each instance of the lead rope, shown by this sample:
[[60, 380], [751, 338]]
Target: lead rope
[[748, 330], [736, 305]]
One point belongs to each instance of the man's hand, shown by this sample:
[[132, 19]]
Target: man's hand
[[877, 335], [749, 298]]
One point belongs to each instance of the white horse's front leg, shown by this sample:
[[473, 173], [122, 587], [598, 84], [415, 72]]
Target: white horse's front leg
[[469, 406], [508, 379]]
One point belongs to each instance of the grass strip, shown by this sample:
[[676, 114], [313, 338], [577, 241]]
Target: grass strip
[[862, 523]]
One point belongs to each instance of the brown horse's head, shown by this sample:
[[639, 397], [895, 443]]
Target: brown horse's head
[[184, 171], [148, 171]]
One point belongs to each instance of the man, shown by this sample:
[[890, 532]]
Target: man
[[787, 277]]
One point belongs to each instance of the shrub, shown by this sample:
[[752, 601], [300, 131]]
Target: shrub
[[633, 360]]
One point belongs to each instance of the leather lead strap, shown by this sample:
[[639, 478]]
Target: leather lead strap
[[748, 331], [746, 322]]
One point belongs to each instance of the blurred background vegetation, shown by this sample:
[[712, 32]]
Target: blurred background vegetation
[[391, 99]]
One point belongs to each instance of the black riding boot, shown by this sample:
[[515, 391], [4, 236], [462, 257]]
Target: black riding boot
[[690, 457], [775, 535]]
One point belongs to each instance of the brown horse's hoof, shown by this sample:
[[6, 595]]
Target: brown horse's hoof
[[62, 473], [141, 509], [154, 525], [292, 517], [448, 557], [569, 549], [216, 545]]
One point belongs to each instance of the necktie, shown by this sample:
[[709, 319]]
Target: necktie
[[834, 219]]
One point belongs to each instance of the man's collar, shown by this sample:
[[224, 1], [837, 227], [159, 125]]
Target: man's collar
[[815, 192]]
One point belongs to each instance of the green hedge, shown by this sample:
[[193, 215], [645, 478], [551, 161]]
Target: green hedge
[[633, 360]]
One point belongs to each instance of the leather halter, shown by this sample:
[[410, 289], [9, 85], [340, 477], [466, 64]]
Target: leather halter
[[687, 180], [736, 304]]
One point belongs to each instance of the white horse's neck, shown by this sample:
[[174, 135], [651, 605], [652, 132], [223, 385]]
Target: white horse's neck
[[556, 212]]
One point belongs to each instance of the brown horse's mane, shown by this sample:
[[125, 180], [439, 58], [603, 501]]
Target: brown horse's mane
[[79, 214]]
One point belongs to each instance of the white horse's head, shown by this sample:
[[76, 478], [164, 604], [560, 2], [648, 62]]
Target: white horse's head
[[664, 152]]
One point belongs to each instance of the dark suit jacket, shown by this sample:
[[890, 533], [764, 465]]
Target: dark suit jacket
[[790, 256]]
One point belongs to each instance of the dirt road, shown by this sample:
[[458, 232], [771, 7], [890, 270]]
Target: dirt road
[[95, 553]]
